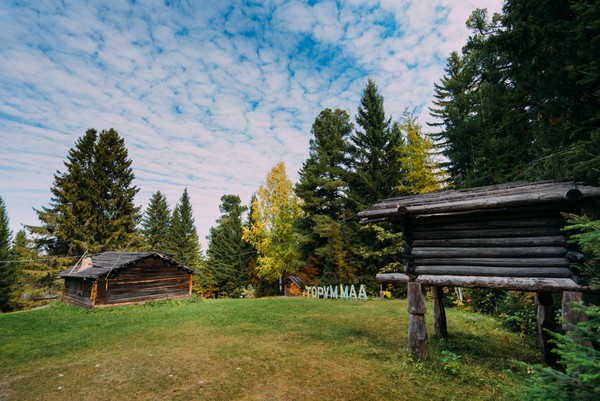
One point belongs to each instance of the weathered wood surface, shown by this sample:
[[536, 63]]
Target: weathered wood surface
[[507, 195], [554, 240], [78, 292], [507, 283], [497, 262], [491, 252], [487, 271], [418, 346], [438, 312], [150, 279], [546, 322], [486, 233]]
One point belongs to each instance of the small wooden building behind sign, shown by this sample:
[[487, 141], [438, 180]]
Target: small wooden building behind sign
[[117, 278], [506, 236]]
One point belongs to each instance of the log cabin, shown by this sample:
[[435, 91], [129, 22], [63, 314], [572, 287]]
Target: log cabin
[[118, 278], [508, 236]]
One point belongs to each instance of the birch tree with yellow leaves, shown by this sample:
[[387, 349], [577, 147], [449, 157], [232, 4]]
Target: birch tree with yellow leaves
[[274, 212]]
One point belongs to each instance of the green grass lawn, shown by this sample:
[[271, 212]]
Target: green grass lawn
[[250, 349]]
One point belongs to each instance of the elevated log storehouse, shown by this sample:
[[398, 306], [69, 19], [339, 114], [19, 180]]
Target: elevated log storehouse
[[117, 278], [506, 236]]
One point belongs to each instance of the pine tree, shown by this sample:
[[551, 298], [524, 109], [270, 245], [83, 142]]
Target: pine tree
[[156, 223], [92, 206], [184, 245], [7, 268], [275, 211], [228, 255], [323, 179]]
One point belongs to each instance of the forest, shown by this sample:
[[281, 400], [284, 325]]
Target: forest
[[519, 102]]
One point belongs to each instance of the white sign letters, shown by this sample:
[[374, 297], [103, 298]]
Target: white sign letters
[[335, 292]]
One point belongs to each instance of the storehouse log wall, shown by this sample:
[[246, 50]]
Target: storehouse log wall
[[523, 242], [147, 280]]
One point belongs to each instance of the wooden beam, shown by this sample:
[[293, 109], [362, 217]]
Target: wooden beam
[[497, 262], [555, 240], [94, 293], [506, 283], [492, 252], [493, 271]]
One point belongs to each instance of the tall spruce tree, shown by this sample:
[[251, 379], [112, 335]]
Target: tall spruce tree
[[375, 167], [227, 255], [323, 180], [92, 206], [375, 173], [156, 223], [184, 245], [522, 99], [7, 267]]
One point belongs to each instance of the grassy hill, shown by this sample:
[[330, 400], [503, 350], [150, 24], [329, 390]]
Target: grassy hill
[[250, 349]]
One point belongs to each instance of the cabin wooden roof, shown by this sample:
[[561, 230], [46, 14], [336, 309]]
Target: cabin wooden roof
[[482, 198], [104, 263]]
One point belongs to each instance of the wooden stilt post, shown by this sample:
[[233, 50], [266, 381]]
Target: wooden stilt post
[[572, 317], [440, 329], [418, 346], [546, 322]]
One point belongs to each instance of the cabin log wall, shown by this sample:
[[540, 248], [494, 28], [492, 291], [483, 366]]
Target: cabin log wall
[[147, 280], [78, 292]]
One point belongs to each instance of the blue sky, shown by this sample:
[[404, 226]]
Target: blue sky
[[207, 95]]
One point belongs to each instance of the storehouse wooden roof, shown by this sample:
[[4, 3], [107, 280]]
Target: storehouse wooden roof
[[104, 263], [482, 198]]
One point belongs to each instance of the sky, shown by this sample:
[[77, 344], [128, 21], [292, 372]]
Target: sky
[[208, 95]]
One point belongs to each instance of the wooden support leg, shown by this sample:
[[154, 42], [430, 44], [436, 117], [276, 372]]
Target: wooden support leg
[[546, 322], [440, 329], [418, 346], [572, 317]]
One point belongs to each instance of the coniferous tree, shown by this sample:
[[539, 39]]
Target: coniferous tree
[[156, 223], [375, 173], [323, 180], [7, 267], [255, 281], [522, 100], [37, 283], [184, 245], [92, 206], [227, 254], [375, 169]]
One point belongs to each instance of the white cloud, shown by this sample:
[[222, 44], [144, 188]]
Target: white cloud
[[206, 97]]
